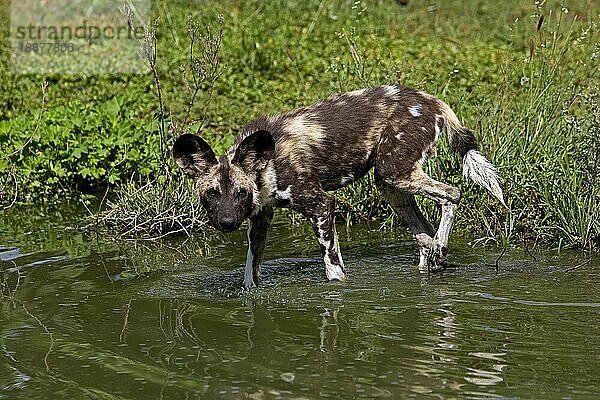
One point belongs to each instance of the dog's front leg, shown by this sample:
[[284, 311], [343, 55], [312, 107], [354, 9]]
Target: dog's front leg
[[321, 214], [257, 239]]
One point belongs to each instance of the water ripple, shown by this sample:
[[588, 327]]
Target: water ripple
[[489, 296]]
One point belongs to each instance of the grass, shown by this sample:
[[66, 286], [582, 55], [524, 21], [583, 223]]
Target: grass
[[521, 74]]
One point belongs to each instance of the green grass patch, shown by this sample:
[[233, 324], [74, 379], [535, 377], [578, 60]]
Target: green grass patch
[[521, 74]]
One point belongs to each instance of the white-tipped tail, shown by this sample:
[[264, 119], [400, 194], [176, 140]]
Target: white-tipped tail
[[482, 172]]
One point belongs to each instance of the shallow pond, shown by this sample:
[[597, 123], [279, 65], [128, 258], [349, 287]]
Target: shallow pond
[[82, 318]]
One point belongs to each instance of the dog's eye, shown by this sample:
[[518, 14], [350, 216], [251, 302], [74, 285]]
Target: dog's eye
[[241, 193], [211, 193]]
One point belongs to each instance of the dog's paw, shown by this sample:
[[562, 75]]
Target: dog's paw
[[249, 285], [433, 258], [335, 273], [437, 258]]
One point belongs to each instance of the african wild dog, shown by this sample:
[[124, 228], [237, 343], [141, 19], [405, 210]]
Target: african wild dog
[[293, 159]]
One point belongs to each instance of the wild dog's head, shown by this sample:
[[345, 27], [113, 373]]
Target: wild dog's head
[[227, 186]]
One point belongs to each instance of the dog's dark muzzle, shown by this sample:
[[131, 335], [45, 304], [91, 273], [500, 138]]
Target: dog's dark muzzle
[[227, 224]]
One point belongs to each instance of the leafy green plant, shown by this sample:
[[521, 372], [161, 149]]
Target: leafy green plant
[[77, 147]]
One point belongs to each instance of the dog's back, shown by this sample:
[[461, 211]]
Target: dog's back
[[335, 140]]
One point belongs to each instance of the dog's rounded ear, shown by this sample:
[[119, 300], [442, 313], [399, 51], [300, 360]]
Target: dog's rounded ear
[[254, 151], [193, 155]]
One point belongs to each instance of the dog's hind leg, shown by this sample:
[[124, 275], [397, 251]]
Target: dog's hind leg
[[258, 226], [405, 205], [447, 197]]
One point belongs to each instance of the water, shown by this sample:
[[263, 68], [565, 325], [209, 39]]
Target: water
[[82, 318]]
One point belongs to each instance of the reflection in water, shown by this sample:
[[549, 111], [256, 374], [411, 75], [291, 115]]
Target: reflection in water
[[443, 352], [12, 305], [261, 333], [449, 326], [111, 325], [484, 377], [329, 330]]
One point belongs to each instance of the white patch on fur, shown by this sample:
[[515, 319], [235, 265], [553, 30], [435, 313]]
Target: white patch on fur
[[399, 135], [355, 93], [477, 168], [391, 90], [334, 272], [248, 280], [270, 177], [215, 183], [416, 111], [437, 127], [285, 195], [265, 195], [303, 135]]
